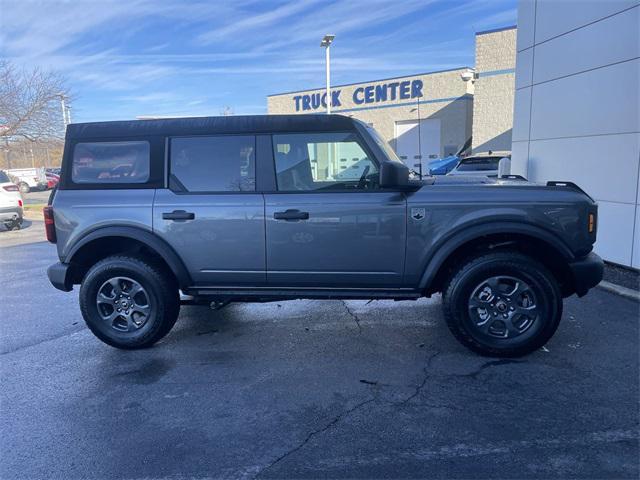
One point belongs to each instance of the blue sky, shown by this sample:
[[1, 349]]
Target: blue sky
[[128, 58]]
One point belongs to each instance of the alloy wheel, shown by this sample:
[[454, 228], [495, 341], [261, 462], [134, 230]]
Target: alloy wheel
[[503, 307], [124, 304]]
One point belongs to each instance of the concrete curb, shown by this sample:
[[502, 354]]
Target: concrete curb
[[620, 290]]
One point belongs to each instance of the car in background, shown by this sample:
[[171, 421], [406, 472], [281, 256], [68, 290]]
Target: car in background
[[480, 164], [11, 204], [52, 178], [29, 179], [442, 166]]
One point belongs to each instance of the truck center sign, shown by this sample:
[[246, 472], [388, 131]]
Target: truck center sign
[[384, 92]]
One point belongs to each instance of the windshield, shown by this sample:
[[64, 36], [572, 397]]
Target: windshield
[[391, 155]]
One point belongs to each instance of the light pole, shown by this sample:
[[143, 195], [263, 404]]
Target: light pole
[[66, 114], [326, 43]]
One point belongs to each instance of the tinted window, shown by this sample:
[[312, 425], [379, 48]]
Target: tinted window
[[213, 164], [479, 164], [111, 162], [4, 178], [318, 161]]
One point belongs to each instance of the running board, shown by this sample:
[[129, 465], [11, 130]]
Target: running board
[[270, 294]]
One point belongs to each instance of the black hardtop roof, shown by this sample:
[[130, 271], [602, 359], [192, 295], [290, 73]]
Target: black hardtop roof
[[211, 125]]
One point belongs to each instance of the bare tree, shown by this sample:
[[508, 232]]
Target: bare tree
[[30, 103]]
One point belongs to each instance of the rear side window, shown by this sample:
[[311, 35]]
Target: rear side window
[[111, 162], [213, 164], [4, 178]]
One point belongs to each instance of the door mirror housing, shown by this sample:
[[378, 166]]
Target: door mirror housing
[[394, 175]]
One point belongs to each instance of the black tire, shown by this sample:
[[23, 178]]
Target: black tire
[[486, 325], [24, 188], [160, 292], [13, 224]]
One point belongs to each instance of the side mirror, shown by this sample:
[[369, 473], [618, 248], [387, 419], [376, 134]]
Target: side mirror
[[393, 175]]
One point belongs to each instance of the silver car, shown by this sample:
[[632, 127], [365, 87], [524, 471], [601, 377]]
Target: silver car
[[481, 164]]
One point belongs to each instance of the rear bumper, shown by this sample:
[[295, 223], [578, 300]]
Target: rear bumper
[[587, 273], [10, 213], [59, 277]]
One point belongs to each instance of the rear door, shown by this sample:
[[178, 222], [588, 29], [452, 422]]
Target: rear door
[[328, 223], [211, 214]]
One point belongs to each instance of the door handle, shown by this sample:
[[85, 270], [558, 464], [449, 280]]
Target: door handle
[[291, 215], [178, 215]]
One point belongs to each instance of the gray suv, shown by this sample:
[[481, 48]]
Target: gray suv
[[263, 208]]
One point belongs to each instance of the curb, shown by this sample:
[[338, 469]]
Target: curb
[[620, 290]]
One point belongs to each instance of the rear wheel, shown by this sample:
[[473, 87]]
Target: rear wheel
[[503, 304], [129, 302]]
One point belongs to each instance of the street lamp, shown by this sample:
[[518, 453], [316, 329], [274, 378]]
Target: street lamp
[[326, 43], [66, 113]]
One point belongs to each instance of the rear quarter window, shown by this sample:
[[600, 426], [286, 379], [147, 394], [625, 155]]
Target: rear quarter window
[[111, 162]]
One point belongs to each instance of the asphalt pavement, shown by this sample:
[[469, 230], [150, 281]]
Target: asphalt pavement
[[308, 389]]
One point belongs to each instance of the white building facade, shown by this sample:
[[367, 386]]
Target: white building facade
[[577, 109]]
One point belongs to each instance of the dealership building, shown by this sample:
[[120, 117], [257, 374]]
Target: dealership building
[[562, 92], [429, 115], [577, 109]]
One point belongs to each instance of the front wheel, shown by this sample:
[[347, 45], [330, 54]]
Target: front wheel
[[129, 302], [503, 304]]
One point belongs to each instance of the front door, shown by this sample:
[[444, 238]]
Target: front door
[[329, 225], [211, 214]]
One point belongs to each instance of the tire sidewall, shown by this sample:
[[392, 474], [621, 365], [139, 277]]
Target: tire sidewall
[[535, 275], [94, 280]]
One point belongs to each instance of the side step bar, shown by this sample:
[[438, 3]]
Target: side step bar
[[267, 294]]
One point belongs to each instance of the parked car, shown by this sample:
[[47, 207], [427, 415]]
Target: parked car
[[483, 164], [29, 178], [259, 225], [11, 205], [52, 179], [442, 166]]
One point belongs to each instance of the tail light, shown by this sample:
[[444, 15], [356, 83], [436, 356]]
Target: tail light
[[11, 188], [20, 204], [49, 223]]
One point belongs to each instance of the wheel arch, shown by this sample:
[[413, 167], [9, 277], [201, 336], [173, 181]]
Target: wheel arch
[[535, 241], [106, 241]]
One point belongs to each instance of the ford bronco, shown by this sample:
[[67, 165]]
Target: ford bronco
[[152, 213]]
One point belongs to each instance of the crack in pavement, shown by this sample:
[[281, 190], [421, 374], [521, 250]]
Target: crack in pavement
[[314, 433], [485, 365], [424, 380], [353, 315]]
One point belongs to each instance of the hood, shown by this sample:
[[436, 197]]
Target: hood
[[455, 180]]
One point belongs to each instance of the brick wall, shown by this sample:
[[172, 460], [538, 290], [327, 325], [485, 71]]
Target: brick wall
[[494, 90]]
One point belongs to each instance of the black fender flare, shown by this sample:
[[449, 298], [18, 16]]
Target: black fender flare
[[451, 243], [149, 239]]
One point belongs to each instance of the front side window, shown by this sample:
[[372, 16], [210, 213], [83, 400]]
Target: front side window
[[111, 162], [213, 164], [322, 161]]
